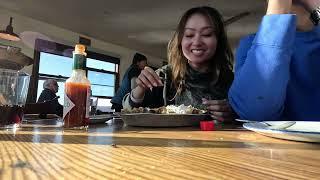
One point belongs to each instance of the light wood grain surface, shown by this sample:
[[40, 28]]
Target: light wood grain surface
[[116, 152]]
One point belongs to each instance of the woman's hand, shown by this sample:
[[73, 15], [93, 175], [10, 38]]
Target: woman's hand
[[146, 80], [219, 109]]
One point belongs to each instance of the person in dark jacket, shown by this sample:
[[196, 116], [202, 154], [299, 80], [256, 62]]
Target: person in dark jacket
[[50, 88], [129, 80]]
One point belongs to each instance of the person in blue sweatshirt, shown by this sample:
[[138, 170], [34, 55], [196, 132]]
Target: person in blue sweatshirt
[[277, 71]]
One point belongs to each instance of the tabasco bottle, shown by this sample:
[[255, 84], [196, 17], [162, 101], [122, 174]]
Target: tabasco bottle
[[77, 92]]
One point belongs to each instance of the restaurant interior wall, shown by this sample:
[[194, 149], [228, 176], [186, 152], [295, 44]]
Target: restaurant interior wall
[[29, 28]]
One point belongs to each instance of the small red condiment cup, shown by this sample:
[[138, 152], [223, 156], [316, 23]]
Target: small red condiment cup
[[206, 125]]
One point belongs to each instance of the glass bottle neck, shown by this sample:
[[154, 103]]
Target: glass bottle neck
[[79, 61], [79, 73]]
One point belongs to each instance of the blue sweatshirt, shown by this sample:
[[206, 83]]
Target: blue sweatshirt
[[278, 72]]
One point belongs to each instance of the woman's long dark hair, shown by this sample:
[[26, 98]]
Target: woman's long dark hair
[[223, 58]]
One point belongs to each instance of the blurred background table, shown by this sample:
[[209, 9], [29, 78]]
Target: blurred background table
[[115, 151]]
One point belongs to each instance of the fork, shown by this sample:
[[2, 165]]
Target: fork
[[282, 126]]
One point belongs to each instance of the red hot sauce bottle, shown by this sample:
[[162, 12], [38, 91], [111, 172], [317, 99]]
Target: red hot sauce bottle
[[77, 92]]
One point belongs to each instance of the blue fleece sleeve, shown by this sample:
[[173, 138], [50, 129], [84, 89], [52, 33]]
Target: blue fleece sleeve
[[262, 69], [317, 29]]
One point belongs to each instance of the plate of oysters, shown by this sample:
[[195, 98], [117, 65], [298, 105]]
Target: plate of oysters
[[165, 116]]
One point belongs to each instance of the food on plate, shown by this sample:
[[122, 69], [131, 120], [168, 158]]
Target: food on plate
[[170, 109]]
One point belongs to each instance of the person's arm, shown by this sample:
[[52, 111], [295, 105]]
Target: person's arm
[[262, 71], [133, 74], [279, 7], [146, 93], [130, 100], [133, 82], [150, 99]]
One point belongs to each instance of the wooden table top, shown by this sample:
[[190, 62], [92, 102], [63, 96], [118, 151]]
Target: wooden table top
[[115, 151]]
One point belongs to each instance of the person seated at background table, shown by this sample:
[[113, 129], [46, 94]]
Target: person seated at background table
[[129, 80], [277, 70], [50, 88], [199, 72]]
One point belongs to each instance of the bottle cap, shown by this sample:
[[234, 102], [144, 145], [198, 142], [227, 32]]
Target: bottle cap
[[79, 48]]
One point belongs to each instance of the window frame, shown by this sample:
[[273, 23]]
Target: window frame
[[66, 51]]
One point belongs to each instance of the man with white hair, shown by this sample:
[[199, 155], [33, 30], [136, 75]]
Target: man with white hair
[[50, 88]]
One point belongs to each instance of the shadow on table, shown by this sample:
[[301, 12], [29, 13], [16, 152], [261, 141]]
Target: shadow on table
[[150, 142], [55, 124]]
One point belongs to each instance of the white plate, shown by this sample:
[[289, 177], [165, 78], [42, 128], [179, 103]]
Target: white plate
[[307, 131]]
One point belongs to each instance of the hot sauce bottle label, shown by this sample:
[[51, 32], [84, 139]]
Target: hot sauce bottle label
[[68, 105], [88, 102], [80, 61]]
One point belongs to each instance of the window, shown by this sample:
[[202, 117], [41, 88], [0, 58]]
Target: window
[[102, 84], [48, 62], [107, 66], [55, 62]]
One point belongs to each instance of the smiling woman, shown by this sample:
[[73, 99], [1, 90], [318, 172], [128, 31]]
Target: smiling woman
[[199, 72], [199, 42]]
